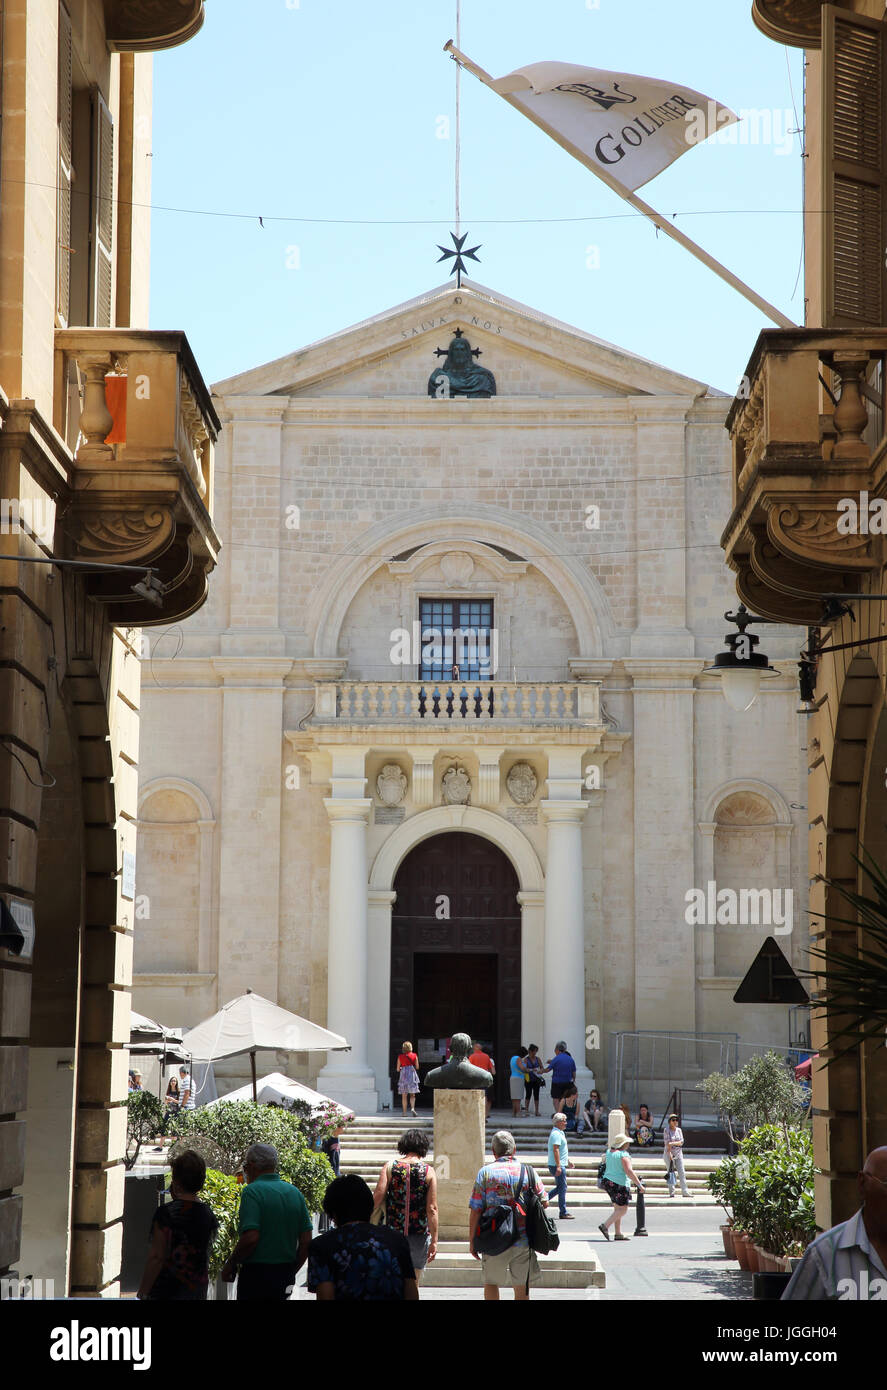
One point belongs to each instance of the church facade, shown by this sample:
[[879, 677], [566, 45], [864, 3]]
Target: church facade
[[439, 752]]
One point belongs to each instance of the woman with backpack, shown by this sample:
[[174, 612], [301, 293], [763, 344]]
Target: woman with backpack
[[617, 1174]]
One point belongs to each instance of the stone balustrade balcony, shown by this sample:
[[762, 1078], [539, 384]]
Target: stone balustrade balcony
[[807, 430], [132, 26], [458, 705], [136, 415]]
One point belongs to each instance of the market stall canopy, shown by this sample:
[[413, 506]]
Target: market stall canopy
[[147, 1038], [805, 1068], [249, 1023], [282, 1090]]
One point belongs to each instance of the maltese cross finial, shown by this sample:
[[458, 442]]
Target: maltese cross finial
[[458, 264]]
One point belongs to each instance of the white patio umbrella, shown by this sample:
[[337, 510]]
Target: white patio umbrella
[[249, 1023], [281, 1089]]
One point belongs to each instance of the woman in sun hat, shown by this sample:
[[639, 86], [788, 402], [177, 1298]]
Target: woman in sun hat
[[617, 1175]]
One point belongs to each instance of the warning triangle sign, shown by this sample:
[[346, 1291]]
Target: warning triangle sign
[[770, 979]]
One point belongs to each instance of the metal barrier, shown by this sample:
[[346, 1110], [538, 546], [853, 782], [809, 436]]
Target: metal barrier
[[647, 1066]]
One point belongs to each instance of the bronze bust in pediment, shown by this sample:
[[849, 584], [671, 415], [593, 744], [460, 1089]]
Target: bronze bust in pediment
[[460, 374]]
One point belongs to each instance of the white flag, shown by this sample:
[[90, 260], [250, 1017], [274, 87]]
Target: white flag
[[629, 127]]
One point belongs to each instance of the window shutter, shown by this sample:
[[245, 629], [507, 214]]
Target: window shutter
[[65, 169], [854, 140], [101, 253]]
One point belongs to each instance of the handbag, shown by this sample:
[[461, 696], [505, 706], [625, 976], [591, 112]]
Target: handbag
[[380, 1213], [541, 1230], [601, 1170]]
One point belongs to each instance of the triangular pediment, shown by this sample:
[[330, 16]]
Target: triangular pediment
[[529, 354]]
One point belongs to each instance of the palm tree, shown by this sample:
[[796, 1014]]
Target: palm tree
[[855, 986]]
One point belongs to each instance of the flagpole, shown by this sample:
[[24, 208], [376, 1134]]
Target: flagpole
[[655, 217]]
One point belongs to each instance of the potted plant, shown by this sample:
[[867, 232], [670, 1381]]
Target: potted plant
[[720, 1184]]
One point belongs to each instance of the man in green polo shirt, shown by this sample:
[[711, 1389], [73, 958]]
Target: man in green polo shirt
[[275, 1231]]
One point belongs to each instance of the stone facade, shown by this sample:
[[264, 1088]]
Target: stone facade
[[584, 500], [80, 485]]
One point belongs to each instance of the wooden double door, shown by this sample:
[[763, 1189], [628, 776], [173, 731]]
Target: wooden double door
[[456, 952]]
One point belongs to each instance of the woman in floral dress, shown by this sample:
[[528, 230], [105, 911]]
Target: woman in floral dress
[[408, 1188]]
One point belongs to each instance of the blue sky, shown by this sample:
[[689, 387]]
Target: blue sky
[[329, 109]]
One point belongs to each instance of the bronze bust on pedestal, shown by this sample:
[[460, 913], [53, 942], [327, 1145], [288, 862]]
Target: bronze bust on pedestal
[[458, 1074]]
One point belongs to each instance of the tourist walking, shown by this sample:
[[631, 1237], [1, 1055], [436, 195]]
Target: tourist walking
[[534, 1071], [849, 1261], [517, 1082], [595, 1111], [498, 1183], [408, 1076], [558, 1163], [135, 1081], [618, 1172], [182, 1231], [572, 1108], [407, 1189], [171, 1106], [480, 1058], [644, 1129], [359, 1262], [275, 1231], [673, 1140], [563, 1073], [186, 1092]]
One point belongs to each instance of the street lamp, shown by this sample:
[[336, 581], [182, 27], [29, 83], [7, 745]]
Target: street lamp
[[740, 667]]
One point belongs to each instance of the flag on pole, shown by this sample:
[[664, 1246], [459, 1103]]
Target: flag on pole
[[624, 128], [629, 128]]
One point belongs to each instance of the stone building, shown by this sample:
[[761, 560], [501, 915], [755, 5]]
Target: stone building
[[327, 815], [106, 433], [809, 482]]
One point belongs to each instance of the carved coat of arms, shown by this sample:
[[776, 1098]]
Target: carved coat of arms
[[391, 784], [521, 783], [456, 786]]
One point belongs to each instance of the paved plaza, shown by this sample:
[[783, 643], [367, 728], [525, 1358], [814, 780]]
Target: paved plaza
[[682, 1258]]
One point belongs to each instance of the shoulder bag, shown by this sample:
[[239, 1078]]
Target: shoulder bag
[[541, 1230]]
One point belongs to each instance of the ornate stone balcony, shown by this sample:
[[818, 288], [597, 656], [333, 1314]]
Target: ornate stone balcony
[[807, 428], [458, 706], [138, 419], [142, 26], [797, 23]]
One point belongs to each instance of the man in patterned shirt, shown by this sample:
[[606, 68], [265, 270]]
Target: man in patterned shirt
[[497, 1182], [850, 1260]]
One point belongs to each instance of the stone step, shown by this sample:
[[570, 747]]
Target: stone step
[[573, 1266]]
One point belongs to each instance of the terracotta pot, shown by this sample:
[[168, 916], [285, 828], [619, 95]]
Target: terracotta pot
[[727, 1238], [740, 1247], [754, 1263], [766, 1261]]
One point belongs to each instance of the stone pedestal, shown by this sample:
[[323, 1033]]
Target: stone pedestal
[[459, 1127], [615, 1126]]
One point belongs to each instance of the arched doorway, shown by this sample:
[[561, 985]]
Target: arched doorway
[[456, 951]]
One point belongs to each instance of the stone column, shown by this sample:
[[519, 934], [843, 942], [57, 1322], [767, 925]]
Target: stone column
[[705, 935], [664, 824], [660, 509], [251, 787], [532, 906], [488, 776], [564, 974], [347, 1076], [381, 901]]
